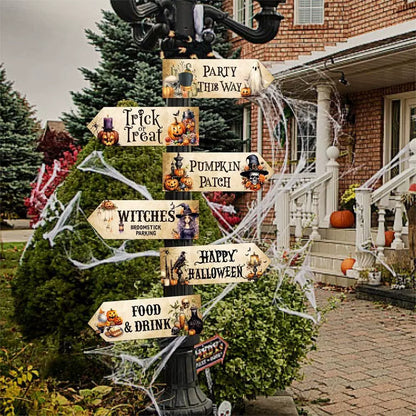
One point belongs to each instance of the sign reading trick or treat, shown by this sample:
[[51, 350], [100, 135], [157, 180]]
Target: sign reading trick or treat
[[146, 126], [148, 318], [203, 172], [135, 219]]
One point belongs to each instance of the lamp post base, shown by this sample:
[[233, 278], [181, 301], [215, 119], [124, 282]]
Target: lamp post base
[[182, 396]]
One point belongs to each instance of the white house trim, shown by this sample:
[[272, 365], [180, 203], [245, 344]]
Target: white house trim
[[360, 40]]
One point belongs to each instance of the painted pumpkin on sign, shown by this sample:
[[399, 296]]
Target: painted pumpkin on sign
[[342, 219], [108, 138], [167, 92], [347, 264], [176, 129], [171, 184], [179, 172], [187, 181], [245, 92]]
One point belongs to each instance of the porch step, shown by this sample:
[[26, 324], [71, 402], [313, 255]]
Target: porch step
[[332, 277], [328, 253], [326, 261], [346, 249]]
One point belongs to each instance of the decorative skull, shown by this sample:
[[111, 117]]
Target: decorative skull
[[185, 303], [254, 177]]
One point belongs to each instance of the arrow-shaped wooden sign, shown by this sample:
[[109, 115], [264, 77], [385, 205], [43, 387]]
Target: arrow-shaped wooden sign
[[147, 126], [148, 318], [214, 78], [142, 220], [226, 263], [203, 172], [210, 352]]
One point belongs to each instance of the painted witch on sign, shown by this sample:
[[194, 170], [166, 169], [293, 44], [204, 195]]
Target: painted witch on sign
[[130, 220]]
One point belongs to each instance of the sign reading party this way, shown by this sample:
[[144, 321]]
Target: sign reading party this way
[[214, 78]]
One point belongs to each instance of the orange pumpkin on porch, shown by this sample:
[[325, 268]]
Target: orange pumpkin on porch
[[388, 237], [342, 219], [347, 264]]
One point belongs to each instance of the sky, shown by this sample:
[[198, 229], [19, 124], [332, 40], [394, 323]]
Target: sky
[[42, 45]]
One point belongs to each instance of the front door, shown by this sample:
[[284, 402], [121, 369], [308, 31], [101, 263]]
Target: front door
[[400, 129]]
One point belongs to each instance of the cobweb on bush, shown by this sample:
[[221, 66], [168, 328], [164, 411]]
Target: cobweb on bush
[[142, 373]]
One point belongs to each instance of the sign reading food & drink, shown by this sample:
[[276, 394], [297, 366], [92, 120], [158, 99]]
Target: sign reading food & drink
[[148, 318]]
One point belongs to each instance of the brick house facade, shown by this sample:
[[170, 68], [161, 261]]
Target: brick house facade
[[373, 43]]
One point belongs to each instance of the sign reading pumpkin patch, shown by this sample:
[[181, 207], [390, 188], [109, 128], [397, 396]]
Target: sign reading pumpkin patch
[[148, 318], [204, 172], [134, 220], [147, 126], [214, 78], [225, 263]]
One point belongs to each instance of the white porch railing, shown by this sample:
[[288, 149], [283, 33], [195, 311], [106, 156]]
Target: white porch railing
[[387, 196], [306, 200]]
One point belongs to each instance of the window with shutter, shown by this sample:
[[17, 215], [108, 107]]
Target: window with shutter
[[309, 12], [243, 12]]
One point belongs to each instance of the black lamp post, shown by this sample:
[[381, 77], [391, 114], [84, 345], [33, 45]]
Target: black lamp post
[[174, 22]]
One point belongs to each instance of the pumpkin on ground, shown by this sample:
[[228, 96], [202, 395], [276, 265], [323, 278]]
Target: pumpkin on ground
[[347, 264], [342, 219], [388, 237]]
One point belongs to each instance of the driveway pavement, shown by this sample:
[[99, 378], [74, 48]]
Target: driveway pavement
[[365, 363]]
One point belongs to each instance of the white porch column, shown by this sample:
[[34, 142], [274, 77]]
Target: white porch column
[[332, 187], [364, 259], [323, 140], [323, 127]]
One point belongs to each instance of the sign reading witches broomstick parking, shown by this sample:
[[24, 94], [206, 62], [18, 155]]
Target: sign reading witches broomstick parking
[[148, 318], [226, 263], [214, 78], [147, 126], [214, 172], [130, 220]]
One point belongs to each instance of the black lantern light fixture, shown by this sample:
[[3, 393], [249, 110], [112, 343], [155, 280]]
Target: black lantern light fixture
[[342, 80], [185, 28]]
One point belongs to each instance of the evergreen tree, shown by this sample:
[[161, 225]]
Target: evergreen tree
[[19, 160], [126, 72]]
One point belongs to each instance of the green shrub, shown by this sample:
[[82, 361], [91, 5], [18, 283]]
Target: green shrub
[[52, 296], [266, 346]]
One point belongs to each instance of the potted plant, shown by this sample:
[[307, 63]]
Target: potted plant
[[344, 217], [374, 275], [401, 264]]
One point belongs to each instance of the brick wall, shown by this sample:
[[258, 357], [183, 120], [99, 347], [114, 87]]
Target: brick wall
[[368, 131], [343, 19]]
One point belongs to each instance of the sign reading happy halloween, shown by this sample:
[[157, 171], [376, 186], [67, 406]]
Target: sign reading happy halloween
[[214, 78], [205, 172], [148, 318], [147, 126], [225, 263], [134, 220]]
